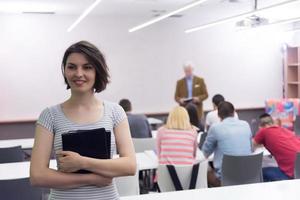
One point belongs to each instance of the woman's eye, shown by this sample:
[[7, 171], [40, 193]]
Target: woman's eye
[[70, 66], [88, 67]]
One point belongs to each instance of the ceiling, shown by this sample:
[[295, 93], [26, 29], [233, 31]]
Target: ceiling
[[144, 10]]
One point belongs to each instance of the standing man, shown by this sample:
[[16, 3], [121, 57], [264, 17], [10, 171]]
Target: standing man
[[191, 89], [282, 143]]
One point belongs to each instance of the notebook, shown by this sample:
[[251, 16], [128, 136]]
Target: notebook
[[94, 143]]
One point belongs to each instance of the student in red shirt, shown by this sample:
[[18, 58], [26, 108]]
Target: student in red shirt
[[282, 143]]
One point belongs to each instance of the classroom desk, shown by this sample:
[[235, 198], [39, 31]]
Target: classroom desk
[[26, 143], [277, 190], [154, 133], [21, 169], [154, 121]]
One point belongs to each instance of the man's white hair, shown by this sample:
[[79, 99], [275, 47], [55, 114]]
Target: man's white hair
[[188, 63]]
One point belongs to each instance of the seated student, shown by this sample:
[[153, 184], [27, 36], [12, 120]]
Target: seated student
[[177, 140], [231, 136], [193, 114], [138, 123], [282, 143], [212, 116]]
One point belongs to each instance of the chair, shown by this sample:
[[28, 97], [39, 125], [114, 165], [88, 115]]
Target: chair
[[238, 170], [128, 185], [19, 189], [184, 173], [11, 154], [297, 125], [143, 144], [297, 166]]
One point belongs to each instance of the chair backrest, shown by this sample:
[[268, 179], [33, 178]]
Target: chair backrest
[[15, 189], [128, 185], [238, 170], [184, 173], [297, 125], [202, 139], [143, 144], [297, 166], [11, 154]]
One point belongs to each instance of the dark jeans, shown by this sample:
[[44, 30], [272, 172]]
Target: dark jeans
[[273, 174]]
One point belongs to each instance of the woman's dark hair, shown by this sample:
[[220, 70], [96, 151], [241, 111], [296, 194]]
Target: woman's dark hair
[[95, 58], [225, 109], [193, 114]]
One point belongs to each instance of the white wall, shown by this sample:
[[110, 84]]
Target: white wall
[[244, 66]]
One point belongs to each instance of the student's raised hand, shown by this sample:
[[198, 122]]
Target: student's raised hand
[[69, 161]]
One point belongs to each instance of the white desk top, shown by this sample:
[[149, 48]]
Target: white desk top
[[278, 190], [154, 133], [21, 169], [146, 160], [18, 169], [26, 143], [152, 120]]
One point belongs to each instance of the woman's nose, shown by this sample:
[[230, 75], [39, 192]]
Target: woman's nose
[[79, 72]]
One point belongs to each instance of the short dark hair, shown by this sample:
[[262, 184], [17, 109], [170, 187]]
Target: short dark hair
[[217, 99], [95, 57], [265, 119], [225, 109], [125, 104]]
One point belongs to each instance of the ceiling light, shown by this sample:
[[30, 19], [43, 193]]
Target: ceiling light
[[83, 15], [148, 23], [39, 12], [237, 17]]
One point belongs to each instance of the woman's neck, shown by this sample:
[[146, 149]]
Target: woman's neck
[[86, 100]]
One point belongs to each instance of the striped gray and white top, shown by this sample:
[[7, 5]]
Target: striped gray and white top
[[56, 122]]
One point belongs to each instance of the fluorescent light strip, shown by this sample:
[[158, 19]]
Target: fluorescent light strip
[[193, 4], [228, 19], [83, 15], [39, 12]]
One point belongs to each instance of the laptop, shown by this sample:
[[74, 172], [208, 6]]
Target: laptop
[[94, 143]]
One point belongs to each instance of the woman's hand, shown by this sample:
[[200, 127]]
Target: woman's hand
[[69, 161], [100, 181]]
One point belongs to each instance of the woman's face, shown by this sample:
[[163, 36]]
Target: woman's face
[[79, 73]]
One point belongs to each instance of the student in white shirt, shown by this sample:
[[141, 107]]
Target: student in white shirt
[[212, 116]]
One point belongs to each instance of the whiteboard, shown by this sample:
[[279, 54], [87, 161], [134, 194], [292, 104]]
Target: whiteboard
[[144, 66]]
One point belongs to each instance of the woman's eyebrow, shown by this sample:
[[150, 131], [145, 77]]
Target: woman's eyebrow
[[69, 63]]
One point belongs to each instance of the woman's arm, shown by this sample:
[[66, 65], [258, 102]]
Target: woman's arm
[[125, 165], [40, 173]]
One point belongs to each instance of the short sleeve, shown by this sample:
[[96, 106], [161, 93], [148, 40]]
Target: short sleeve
[[46, 120], [208, 119], [118, 115], [259, 137]]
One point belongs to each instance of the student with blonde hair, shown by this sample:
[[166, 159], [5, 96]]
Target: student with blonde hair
[[177, 139]]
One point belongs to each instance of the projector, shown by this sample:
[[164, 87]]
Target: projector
[[252, 21]]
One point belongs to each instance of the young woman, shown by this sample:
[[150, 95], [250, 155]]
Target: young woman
[[177, 140], [85, 73]]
